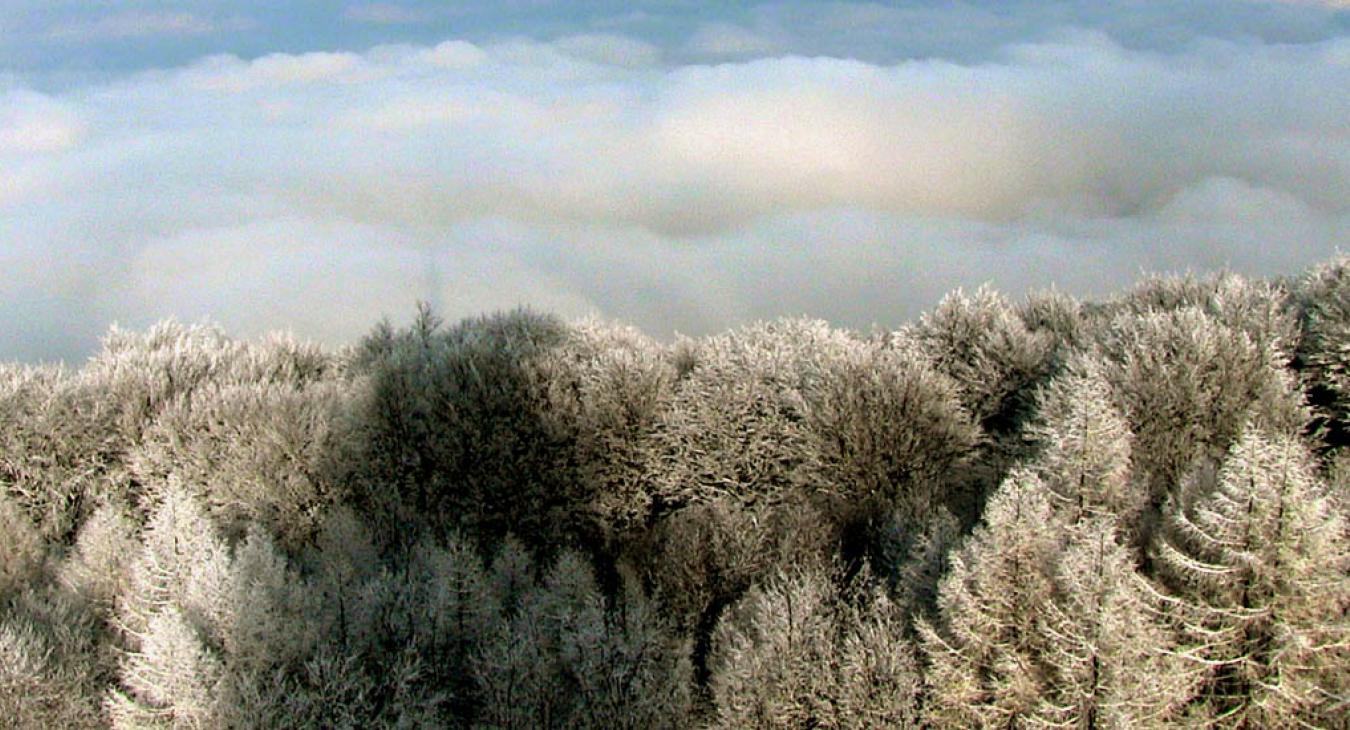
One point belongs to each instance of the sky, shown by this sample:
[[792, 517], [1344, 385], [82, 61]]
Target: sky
[[683, 167]]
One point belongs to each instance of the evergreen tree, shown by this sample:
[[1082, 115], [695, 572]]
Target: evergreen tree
[[1085, 445], [1260, 567], [1110, 660], [984, 652], [1044, 622]]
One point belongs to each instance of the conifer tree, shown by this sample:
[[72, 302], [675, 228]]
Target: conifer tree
[[1085, 447], [98, 567], [1259, 564], [563, 658], [179, 583], [984, 653], [1044, 622], [1109, 658]]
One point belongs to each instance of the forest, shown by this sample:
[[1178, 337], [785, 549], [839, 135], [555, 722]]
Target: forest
[[1123, 513]]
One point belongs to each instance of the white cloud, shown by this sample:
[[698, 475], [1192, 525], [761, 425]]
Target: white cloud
[[35, 123], [323, 190], [454, 54], [231, 74]]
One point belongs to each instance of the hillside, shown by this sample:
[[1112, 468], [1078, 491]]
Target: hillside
[[1122, 513]]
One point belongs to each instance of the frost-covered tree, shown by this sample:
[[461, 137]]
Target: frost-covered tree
[[1259, 564], [621, 380], [256, 452], [1044, 622], [1186, 383], [204, 622], [473, 426], [735, 470], [173, 678], [564, 658], [170, 674], [979, 340], [984, 650], [21, 547], [98, 567], [737, 425], [1110, 660], [1084, 447], [1260, 309], [1070, 324], [891, 431], [797, 653], [1323, 352], [59, 444], [52, 669]]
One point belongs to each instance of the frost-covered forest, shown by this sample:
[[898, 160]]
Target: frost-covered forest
[[1047, 513]]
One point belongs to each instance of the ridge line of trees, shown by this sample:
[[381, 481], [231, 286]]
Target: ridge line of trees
[[1052, 513]]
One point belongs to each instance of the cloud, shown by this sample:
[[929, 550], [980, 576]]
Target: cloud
[[612, 50], [601, 173], [729, 39], [386, 14], [36, 123], [139, 24], [228, 73]]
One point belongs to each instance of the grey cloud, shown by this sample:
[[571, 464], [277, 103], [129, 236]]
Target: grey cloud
[[98, 39], [320, 191]]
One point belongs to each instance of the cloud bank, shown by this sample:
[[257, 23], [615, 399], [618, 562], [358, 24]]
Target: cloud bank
[[682, 185]]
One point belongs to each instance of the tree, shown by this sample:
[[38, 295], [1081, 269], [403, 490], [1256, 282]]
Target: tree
[[984, 652], [1044, 622], [1259, 564], [1110, 660], [1323, 355], [564, 658], [98, 567], [52, 669], [1186, 383], [892, 433], [987, 349], [253, 453], [474, 427], [736, 426], [1084, 447], [797, 653], [1259, 309]]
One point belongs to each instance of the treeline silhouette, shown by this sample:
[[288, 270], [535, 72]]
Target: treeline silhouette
[[1053, 513]]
